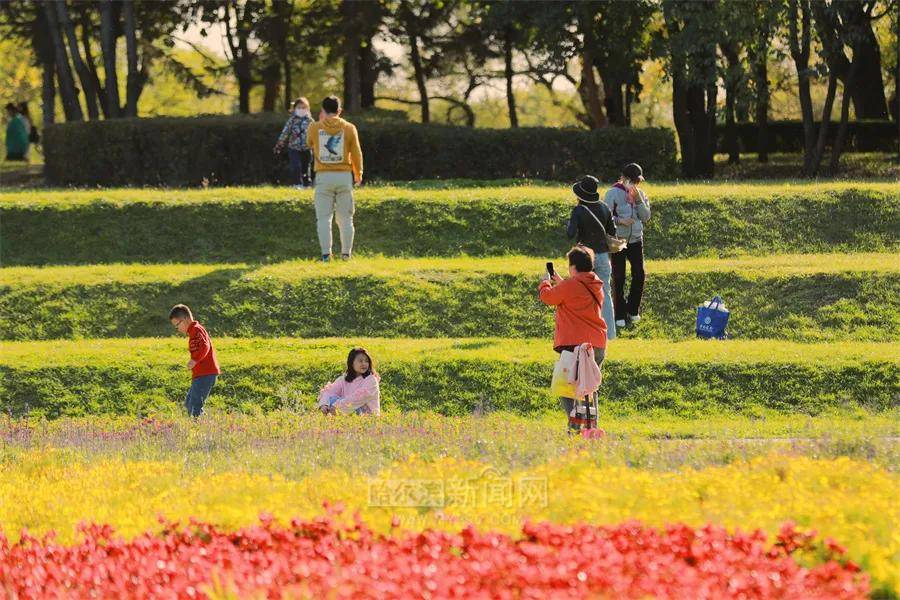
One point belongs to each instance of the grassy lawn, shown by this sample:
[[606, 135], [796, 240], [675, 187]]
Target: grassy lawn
[[444, 192]]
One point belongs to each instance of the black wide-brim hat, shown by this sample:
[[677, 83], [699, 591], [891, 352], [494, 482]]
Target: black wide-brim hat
[[586, 188]]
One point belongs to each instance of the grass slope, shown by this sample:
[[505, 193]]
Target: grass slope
[[796, 297], [266, 224], [693, 378]]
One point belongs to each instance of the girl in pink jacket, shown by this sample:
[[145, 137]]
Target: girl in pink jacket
[[356, 391]]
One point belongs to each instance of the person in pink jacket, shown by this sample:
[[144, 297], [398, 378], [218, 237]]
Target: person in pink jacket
[[355, 391]]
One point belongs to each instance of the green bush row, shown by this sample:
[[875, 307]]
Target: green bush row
[[459, 386], [228, 150], [435, 303], [787, 136], [805, 219]]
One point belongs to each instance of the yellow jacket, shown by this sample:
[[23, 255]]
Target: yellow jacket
[[335, 144]]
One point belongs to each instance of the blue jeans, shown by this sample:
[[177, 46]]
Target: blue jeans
[[198, 393], [603, 269]]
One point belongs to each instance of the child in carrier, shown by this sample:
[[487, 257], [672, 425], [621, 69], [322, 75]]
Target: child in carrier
[[356, 391]]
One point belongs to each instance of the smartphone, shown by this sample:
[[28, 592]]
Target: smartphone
[[550, 269]]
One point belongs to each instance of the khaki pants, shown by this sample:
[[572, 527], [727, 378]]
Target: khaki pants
[[334, 198]]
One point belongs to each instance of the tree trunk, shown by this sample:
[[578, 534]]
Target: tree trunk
[[133, 85], [288, 86], [732, 80], [823, 126], [809, 126], [92, 65], [241, 58], [682, 125], [352, 87], [588, 86], [841, 138], [416, 60], [868, 93], [613, 102], [245, 84], [731, 136], [694, 112], [108, 37], [508, 74], [84, 76], [352, 83], [628, 100], [708, 156], [761, 81], [799, 28], [48, 95], [46, 56], [895, 99], [284, 11], [71, 105], [368, 75], [271, 84]]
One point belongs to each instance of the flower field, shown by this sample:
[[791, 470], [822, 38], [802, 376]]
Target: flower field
[[766, 466], [315, 559], [424, 473]]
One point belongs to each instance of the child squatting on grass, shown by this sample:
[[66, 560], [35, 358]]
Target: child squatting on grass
[[355, 391], [203, 364]]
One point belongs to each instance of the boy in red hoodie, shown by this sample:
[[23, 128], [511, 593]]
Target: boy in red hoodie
[[203, 364]]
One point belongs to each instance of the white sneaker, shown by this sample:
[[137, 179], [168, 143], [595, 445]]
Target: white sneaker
[[620, 323], [635, 318], [299, 187]]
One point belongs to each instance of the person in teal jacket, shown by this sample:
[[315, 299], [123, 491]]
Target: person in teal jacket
[[16, 134]]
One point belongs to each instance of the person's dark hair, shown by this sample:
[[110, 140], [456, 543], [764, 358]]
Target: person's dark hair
[[10, 107], [633, 172], [23, 108], [180, 311], [582, 258], [331, 105], [351, 374]]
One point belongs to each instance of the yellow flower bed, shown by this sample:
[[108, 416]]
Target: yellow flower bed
[[850, 501]]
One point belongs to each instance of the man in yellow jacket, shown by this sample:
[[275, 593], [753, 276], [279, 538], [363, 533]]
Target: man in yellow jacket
[[339, 165]]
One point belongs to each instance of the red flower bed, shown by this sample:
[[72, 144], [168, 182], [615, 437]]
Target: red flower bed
[[320, 559]]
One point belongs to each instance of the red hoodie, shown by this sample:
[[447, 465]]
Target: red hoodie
[[202, 351], [578, 301]]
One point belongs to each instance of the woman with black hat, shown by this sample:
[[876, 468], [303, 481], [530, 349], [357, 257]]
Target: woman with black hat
[[630, 210], [591, 221]]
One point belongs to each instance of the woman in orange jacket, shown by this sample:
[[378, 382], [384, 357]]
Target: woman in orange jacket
[[579, 302]]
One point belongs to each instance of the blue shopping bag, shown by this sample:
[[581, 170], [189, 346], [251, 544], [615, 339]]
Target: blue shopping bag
[[712, 319]]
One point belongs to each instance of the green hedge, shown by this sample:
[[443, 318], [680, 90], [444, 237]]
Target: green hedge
[[238, 150], [435, 303], [781, 219], [787, 136]]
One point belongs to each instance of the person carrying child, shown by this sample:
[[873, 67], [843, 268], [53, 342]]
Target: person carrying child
[[203, 364], [355, 391], [294, 135]]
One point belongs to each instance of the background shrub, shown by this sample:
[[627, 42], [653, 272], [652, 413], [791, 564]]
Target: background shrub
[[228, 150], [787, 136]]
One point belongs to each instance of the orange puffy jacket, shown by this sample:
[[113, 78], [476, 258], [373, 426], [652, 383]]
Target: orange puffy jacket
[[578, 301]]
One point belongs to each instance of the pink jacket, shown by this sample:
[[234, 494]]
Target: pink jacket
[[361, 393], [588, 375]]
